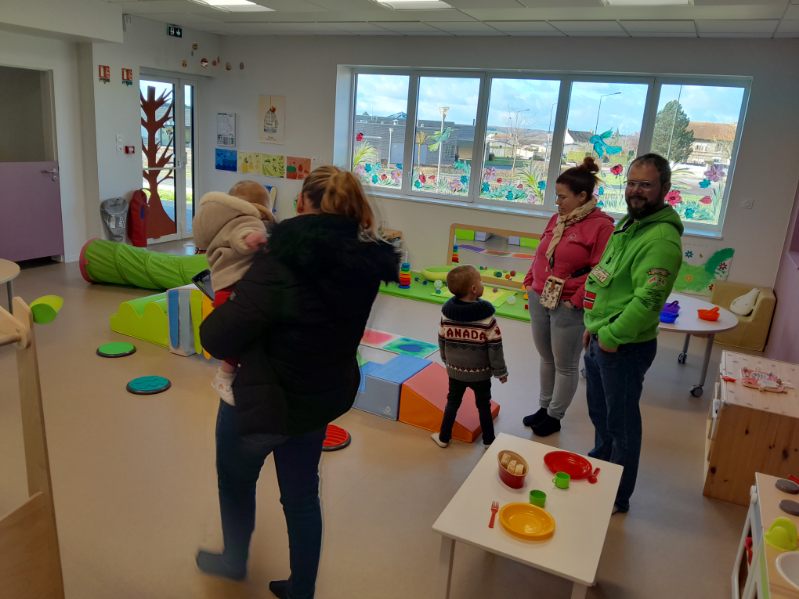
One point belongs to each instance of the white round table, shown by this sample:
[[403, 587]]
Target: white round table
[[689, 323], [8, 272]]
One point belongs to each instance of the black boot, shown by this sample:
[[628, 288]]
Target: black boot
[[546, 426], [279, 588], [534, 419], [215, 564]]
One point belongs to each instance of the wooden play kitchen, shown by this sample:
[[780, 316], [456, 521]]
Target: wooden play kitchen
[[759, 570], [753, 425]]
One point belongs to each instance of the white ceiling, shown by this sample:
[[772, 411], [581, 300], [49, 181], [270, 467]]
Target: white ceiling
[[569, 18]]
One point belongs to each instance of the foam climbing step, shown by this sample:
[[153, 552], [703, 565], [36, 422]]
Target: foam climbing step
[[143, 318], [424, 397], [381, 385]]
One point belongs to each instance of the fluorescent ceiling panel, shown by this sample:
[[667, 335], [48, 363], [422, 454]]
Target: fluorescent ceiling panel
[[235, 5], [414, 4]]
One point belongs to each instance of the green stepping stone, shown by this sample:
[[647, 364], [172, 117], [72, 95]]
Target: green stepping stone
[[117, 349], [148, 385]]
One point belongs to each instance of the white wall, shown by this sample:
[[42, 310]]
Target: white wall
[[116, 107], [60, 57], [78, 19], [304, 70]]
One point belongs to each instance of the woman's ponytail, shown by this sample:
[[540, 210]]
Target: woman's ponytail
[[336, 191]]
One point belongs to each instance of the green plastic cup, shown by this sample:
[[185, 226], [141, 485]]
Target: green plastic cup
[[538, 498], [561, 480]]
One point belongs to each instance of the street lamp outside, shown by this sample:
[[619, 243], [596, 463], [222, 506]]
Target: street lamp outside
[[600, 108], [444, 110]]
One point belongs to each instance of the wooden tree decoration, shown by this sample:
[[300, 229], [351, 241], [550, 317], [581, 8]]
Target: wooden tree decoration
[[158, 156]]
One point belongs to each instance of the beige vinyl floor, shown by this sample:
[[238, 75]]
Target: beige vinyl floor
[[135, 493]]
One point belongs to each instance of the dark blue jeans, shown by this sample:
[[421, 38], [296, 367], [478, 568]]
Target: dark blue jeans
[[615, 381], [238, 463]]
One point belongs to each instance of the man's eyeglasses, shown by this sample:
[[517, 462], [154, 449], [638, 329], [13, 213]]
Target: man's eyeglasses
[[644, 185]]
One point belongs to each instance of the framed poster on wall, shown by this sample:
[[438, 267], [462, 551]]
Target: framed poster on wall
[[226, 129], [271, 119]]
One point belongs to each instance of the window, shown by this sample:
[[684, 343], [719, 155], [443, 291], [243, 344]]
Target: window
[[444, 134], [695, 128], [381, 104], [605, 122], [488, 138], [518, 140]]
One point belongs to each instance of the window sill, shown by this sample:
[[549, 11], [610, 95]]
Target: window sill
[[531, 212]]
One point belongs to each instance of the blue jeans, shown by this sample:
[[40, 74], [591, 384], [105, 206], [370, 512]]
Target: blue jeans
[[558, 337], [238, 463], [615, 381]]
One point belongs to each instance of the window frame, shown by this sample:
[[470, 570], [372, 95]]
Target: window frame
[[473, 199]]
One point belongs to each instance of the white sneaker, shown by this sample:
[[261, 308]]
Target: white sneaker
[[437, 440], [222, 384]]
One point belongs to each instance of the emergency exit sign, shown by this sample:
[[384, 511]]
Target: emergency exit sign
[[174, 31]]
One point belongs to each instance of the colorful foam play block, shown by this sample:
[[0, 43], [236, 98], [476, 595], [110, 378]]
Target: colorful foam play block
[[366, 369], [381, 385], [464, 234], [424, 397], [179, 313], [143, 318]]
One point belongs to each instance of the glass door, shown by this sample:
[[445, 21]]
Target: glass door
[[167, 129]]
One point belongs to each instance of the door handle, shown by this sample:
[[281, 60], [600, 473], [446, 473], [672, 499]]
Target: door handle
[[53, 172]]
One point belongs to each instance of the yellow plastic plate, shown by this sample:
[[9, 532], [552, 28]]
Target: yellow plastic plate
[[527, 521]]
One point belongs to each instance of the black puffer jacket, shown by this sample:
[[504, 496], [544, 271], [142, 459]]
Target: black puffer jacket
[[295, 321]]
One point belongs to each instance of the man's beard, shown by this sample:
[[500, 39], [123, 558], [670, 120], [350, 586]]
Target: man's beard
[[641, 210]]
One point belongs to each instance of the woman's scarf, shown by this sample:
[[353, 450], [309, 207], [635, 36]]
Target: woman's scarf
[[566, 220]]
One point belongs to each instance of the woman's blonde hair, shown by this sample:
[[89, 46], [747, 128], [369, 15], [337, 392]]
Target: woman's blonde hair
[[335, 191]]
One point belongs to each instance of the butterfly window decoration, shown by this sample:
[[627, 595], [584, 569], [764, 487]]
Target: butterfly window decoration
[[601, 147]]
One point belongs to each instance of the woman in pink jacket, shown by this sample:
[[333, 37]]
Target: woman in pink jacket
[[570, 247]]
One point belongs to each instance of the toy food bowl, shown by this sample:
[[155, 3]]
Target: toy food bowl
[[513, 468], [712, 314], [670, 312]]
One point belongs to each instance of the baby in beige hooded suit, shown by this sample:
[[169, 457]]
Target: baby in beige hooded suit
[[230, 227]]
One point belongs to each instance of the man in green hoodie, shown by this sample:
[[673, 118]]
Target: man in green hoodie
[[624, 294]]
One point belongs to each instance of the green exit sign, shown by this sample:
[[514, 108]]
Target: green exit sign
[[174, 31]]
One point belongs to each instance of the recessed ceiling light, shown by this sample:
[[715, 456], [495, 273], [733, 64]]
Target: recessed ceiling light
[[414, 4], [648, 2], [234, 5]]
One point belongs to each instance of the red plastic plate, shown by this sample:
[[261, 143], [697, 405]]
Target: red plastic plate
[[572, 464]]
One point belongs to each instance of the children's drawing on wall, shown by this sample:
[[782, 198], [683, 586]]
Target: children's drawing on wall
[[226, 129], [272, 119], [273, 165], [225, 160], [250, 163], [701, 268], [297, 168]]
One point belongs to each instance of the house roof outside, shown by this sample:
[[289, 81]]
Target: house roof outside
[[713, 131]]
